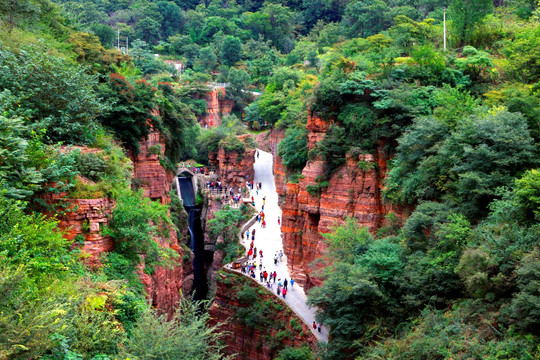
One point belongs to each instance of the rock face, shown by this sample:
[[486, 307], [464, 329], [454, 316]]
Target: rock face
[[234, 168], [148, 173], [280, 175], [353, 190], [257, 325], [217, 106], [86, 218], [165, 286]]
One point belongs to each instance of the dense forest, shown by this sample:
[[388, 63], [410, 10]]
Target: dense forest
[[458, 278]]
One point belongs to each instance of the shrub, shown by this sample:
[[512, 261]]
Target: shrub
[[91, 165]]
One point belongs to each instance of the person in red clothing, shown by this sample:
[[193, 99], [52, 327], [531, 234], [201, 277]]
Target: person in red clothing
[[284, 292]]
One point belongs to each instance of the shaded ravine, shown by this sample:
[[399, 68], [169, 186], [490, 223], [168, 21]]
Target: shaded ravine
[[269, 241], [187, 194]]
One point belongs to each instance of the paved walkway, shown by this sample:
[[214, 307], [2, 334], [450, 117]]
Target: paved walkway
[[269, 241]]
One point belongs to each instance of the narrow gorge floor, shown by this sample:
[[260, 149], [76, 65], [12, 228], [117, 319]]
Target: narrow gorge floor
[[269, 241]]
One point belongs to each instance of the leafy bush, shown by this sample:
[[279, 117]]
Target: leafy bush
[[225, 223], [91, 166], [293, 149], [56, 95], [136, 224]]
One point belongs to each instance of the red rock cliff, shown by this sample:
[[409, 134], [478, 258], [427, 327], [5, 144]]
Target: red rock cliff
[[217, 106], [148, 173], [234, 168], [353, 190], [256, 328], [165, 286]]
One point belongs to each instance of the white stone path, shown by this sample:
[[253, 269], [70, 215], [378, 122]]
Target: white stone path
[[269, 241]]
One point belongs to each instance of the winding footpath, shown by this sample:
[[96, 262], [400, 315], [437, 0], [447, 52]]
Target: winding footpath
[[269, 241]]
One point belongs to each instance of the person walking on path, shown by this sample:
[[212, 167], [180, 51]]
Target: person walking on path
[[292, 283], [314, 325], [284, 292], [275, 276], [261, 277], [275, 259], [285, 282], [278, 221]]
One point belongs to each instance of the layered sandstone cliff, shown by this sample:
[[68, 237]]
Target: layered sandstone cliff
[[256, 324], [354, 190], [234, 168], [148, 173], [166, 285], [217, 106]]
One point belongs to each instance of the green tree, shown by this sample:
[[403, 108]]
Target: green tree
[[293, 148], [347, 240], [527, 190], [225, 223], [105, 33], [465, 15], [50, 93], [148, 30], [231, 50], [132, 106], [31, 240], [173, 18], [366, 17], [136, 224], [238, 81], [12, 11], [206, 60], [187, 333], [526, 304]]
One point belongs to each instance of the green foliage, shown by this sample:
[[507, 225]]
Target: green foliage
[[136, 223], [31, 240], [350, 304], [292, 353], [91, 166], [455, 333], [465, 15], [50, 93], [27, 324], [525, 305], [132, 106], [225, 223], [528, 194], [347, 240], [177, 123], [464, 166], [187, 333], [293, 149], [231, 50]]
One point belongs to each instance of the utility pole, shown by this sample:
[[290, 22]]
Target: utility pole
[[118, 42], [444, 28]]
